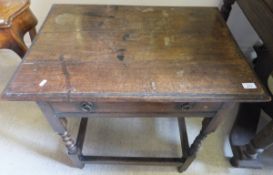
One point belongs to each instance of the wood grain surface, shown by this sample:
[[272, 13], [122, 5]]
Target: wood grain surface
[[10, 9], [126, 53], [16, 19]]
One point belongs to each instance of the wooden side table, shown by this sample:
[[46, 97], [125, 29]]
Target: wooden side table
[[124, 61], [16, 19]]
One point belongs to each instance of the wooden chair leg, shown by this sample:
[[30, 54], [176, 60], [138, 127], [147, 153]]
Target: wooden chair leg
[[12, 34], [226, 8], [32, 33], [247, 156], [19, 47]]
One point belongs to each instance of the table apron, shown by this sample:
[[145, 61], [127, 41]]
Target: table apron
[[133, 108], [141, 115]]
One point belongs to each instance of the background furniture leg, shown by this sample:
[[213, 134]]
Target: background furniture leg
[[16, 20], [244, 141], [60, 126], [19, 46], [32, 33], [247, 155], [226, 8]]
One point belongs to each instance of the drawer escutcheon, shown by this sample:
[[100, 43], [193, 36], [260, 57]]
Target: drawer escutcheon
[[88, 106], [185, 106]]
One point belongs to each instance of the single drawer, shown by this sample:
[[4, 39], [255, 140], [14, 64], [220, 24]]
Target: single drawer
[[133, 107]]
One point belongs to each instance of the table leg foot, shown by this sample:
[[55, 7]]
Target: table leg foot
[[246, 154], [75, 158], [242, 160], [73, 150], [59, 125], [18, 45], [186, 164], [32, 33]]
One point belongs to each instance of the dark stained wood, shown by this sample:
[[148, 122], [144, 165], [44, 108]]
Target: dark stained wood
[[247, 155], [209, 125], [133, 160], [183, 137], [132, 61], [59, 125], [226, 8], [269, 3], [244, 131], [16, 19], [136, 107], [136, 115], [262, 141], [189, 153], [81, 133], [122, 53], [260, 16]]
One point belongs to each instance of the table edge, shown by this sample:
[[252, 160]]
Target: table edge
[[140, 97]]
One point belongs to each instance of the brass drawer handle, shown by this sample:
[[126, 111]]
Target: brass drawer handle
[[88, 106], [186, 106]]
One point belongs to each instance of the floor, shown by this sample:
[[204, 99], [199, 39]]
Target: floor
[[29, 146]]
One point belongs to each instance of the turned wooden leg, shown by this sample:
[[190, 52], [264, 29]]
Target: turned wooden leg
[[32, 33], [12, 34], [20, 48], [59, 126], [226, 8], [261, 141], [247, 155], [209, 125]]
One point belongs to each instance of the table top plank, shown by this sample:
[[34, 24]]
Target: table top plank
[[133, 53]]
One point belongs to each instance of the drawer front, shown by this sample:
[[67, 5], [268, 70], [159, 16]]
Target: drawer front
[[122, 107]]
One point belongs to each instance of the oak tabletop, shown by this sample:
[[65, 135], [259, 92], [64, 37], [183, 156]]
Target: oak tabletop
[[134, 53]]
